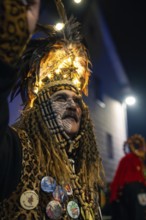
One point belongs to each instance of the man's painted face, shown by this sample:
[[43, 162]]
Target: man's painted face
[[67, 105]]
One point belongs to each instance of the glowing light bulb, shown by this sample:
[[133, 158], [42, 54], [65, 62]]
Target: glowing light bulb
[[35, 90], [69, 60], [77, 1], [76, 82], [49, 75], [57, 71], [59, 26], [130, 100]]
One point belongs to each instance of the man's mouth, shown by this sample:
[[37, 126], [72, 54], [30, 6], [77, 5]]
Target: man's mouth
[[70, 115]]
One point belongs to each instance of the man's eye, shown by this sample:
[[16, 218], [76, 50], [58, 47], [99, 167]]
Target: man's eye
[[60, 99], [77, 101]]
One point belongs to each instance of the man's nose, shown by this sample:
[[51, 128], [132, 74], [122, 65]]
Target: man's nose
[[71, 103]]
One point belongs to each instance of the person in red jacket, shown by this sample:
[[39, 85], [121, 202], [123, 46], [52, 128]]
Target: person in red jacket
[[128, 189]]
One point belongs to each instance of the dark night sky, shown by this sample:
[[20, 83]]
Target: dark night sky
[[126, 21]]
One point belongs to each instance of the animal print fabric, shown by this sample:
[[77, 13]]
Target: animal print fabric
[[31, 176], [32, 173], [13, 30]]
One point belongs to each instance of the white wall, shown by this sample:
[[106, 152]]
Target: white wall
[[110, 119]]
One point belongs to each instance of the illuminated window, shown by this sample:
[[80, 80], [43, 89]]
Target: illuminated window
[[109, 146]]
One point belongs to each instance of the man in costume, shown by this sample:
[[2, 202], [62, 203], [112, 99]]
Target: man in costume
[[128, 189], [49, 162]]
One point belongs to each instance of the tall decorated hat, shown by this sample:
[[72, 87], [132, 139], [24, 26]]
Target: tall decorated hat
[[59, 58]]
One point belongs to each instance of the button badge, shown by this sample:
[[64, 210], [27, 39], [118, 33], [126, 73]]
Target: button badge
[[29, 200], [73, 209], [48, 184], [54, 210]]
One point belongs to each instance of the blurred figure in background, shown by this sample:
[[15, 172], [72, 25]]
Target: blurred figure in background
[[128, 189]]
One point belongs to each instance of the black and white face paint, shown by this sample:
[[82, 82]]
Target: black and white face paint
[[67, 106]]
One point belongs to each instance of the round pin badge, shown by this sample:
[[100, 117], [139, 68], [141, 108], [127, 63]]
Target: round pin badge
[[68, 189], [60, 194], [73, 209], [48, 184], [29, 200], [54, 210]]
